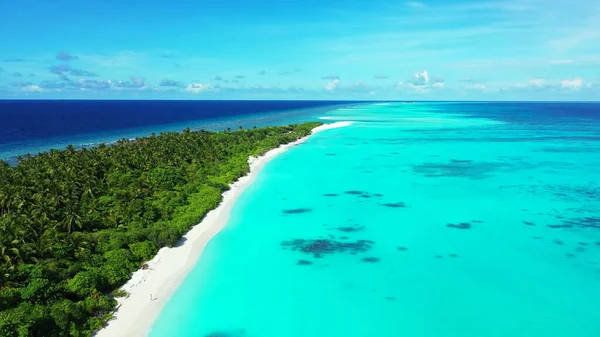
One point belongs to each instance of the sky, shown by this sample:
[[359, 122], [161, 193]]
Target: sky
[[300, 49]]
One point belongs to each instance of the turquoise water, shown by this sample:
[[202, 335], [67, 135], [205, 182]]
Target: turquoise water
[[433, 220]]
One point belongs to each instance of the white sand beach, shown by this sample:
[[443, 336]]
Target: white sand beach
[[150, 289]]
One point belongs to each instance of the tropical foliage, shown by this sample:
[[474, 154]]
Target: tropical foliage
[[74, 223]]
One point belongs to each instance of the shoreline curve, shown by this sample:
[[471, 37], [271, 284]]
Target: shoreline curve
[[149, 290]]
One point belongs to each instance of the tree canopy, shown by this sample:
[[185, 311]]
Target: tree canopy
[[74, 224]]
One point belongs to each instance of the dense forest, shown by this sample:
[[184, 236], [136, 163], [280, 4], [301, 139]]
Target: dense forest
[[74, 224]]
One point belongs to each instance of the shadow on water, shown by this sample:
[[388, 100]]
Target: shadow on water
[[297, 210], [462, 225], [583, 222], [460, 168], [350, 229], [321, 247], [563, 192], [234, 333], [394, 205], [581, 149]]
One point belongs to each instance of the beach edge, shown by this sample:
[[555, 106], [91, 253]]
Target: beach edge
[[150, 289]]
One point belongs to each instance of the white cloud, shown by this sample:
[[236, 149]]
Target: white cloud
[[421, 81], [561, 61], [573, 84], [477, 86], [537, 82], [482, 87], [32, 88], [332, 85], [356, 87], [198, 87], [421, 78]]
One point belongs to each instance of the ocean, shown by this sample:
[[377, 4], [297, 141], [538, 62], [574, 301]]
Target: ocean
[[424, 219], [37, 125]]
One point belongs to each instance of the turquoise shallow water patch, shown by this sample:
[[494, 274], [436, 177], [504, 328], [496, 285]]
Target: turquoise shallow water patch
[[417, 220]]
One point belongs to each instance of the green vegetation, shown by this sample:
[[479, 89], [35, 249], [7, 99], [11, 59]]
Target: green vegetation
[[74, 223]]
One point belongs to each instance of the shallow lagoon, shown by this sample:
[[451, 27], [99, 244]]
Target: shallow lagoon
[[418, 220]]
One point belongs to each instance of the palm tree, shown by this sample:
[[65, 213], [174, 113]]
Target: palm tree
[[71, 219]]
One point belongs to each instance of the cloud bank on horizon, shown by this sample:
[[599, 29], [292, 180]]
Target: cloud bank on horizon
[[311, 49]]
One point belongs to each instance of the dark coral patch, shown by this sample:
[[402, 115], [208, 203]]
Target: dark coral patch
[[477, 221], [574, 192], [353, 192], [587, 222], [330, 154], [371, 259], [560, 226], [297, 210], [364, 196], [580, 249], [304, 262], [528, 223], [438, 256], [395, 205], [453, 255], [558, 242], [402, 249], [537, 237], [321, 246], [378, 195], [349, 229], [583, 243], [462, 225], [390, 298], [460, 168], [330, 195]]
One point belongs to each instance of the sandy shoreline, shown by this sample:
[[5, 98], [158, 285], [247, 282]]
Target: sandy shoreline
[[149, 290]]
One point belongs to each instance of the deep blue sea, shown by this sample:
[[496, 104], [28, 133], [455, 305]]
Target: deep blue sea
[[424, 220], [33, 126]]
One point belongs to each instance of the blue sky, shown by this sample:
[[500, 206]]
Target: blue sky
[[301, 49]]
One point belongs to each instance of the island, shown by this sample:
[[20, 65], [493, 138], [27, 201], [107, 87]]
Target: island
[[76, 223]]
